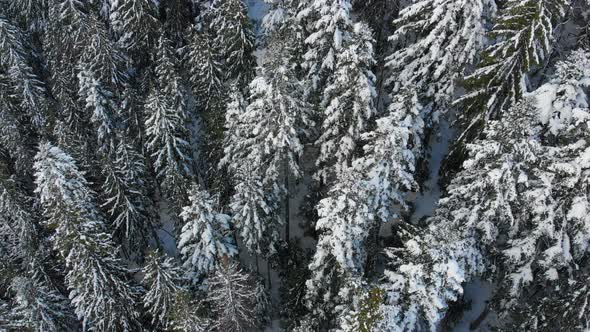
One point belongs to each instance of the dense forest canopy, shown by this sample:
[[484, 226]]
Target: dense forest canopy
[[294, 165]]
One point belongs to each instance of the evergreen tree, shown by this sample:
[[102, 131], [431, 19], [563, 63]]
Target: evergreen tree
[[162, 278], [16, 71], [255, 213], [524, 35], [348, 103], [104, 301], [235, 38], [328, 24], [205, 237], [232, 297], [434, 42], [38, 308], [206, 78], [166, 132], [135, 24], [125, 197], [98, 101], [522, 187]]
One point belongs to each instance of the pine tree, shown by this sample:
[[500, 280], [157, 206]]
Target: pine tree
[[363, 195], [135, 24], [232, 295], [434, 42], [235, 39], [204, 65], [187, 314], [98, 101], [205, 237], [166, 132], [125, 197], [328, 24], [105, 301], [348, 103], [524, 34], [17, 72], [38, 308], [344, 222], [522, 187], [162, 278], [255, 213]]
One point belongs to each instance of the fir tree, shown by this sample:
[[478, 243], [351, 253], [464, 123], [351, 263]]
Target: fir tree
[[162, 278], [135, 24], [524, 34], [235, 39], [255, 213], [232, 297], [125, 197], [205, 237], [328, 24], [434, 42], [348, 103], [105, 301], [38, 308], [17, 72]]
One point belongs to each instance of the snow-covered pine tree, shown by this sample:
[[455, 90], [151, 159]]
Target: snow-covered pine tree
[[136, 26], [255, 212], [162, 279], [348, 103], [100, 54], [234, 131], [206, 78], [18, 224], [345, 220], [276, 120], [524, 37], [166, 131], [104, 302], [38, 308], [17, 72], [328, 23], [235, 40], [98, 100], [232, 297], [433, 43], [125, 197], [15, 137], [187, 314], [205, 237], [31, 14], [167, 142], [372, 190]]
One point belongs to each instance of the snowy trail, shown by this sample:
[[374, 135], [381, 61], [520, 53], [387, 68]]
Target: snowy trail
[[427, 201]]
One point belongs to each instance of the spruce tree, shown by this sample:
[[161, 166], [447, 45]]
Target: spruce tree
[[162, 278], [205, 237], [232, 297], [136, 26], [348, 103], [524, 37], [38, 308], [235, 40], [105, 301]]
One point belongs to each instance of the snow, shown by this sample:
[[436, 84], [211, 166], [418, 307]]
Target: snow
[[427, 201], [256, 10], [478, 292], [166, 231]]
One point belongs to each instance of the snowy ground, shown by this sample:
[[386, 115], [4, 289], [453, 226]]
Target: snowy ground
[[477, 292], [427, 201]]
